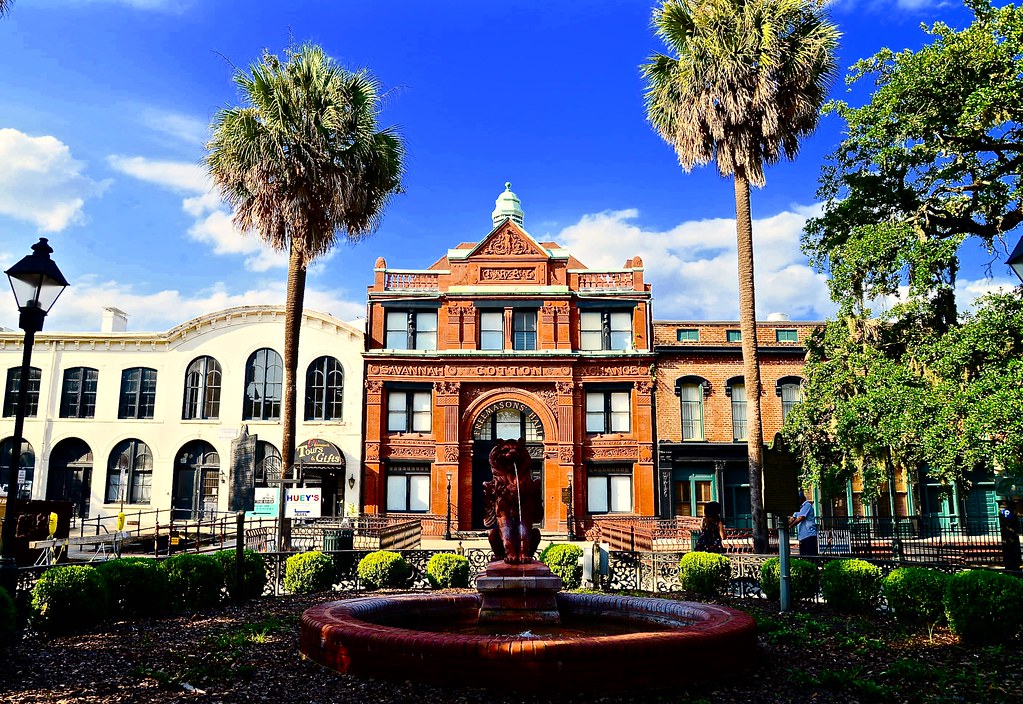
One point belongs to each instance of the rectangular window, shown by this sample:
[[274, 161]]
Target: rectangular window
[[605, 330], [138, 393], [35, 377], [688, 334], [410, 330], [786, 336], [609, 490], [733, 335], [524, 330], [409, 412], [608, 412], [691, 399], [492, 330], [78, 393], [408, 488], [738, 412], [791, 394]]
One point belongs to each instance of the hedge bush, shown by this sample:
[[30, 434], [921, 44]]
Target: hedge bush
[[852, 585], [383, 568], [804, 579], [253, 574], [984, 607], [137, 586], [8, 618], [308, 572], [68, 598], [194, 581], [916, 594], [446, 570], [563, 560], [705, 573]]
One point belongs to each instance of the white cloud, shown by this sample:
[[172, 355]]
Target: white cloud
[[858, 6], [81, 306], [693, 266], [183, 128], [41, 182], [212, 226]]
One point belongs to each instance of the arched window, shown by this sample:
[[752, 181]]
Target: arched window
[[130, 473], [736, 390], [324, 387], [202, 389], [35, 377], [78, 393], [509, 424], [195, 490], [26, 464], [268, 463], [70, 475], [691, 390], [790, 389], [264, 379]]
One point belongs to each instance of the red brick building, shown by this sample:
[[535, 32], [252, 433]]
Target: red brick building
[[508, 337], [701, 409]]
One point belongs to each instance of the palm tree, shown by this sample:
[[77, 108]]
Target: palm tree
[[5, 6], [303, 162], [744, 81]]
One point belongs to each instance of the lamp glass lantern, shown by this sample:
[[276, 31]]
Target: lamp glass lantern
[[1015, 260], [37, 283]]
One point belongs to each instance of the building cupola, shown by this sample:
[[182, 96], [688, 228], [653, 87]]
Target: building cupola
[[508, 206]]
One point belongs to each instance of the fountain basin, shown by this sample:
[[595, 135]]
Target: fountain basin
[[690, 642]]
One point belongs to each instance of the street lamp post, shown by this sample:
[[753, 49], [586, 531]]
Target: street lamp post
[[447, 523], [1015, 260], [37, 283], [568, 510]]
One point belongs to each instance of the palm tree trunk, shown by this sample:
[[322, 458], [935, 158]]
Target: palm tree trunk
[[750, 361], [292, 328]]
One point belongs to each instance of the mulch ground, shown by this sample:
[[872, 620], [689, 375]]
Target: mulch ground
[[249, 653]]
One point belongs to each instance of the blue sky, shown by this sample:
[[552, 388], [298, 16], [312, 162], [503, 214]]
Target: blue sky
[[104, 108]]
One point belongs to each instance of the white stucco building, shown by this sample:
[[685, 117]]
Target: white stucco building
[[186, 420]]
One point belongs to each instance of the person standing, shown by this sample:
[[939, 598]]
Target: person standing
[[712, 529], [805, 522]]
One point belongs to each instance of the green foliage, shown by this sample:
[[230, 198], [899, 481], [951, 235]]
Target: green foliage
[[194, 581], [309, 572], [8, 618], [916, 594], [984, 607], [137, 585], [383, 568], [804, 579], [852, 585], [253, 574], [563, 560], [704, 573], [446, 570], [68, 598]]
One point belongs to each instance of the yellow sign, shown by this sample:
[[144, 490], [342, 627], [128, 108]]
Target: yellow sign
[[53, 524], [120, 521]]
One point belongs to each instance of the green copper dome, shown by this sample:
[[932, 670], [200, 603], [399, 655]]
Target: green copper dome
[[508, 206]]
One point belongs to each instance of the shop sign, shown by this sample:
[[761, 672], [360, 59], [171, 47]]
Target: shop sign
[[318, 451]]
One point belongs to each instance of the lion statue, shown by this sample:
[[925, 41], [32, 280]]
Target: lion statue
[[514, 503]]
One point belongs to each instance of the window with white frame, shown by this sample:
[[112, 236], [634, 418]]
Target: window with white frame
[[78, 393], [409, 411], [605, 330], [608, 411], [790, 389], [492, 330], [524, 330], [609, 489], [737, 390], [408, 488], [691, 391], [410, 330]]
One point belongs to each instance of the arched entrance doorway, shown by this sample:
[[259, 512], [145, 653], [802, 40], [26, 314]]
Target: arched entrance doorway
[[26, 468], [321, 464], [502, 420], [196, 481], [70, 475]]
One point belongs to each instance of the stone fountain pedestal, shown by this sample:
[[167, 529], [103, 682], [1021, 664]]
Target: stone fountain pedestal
[[518, 593]]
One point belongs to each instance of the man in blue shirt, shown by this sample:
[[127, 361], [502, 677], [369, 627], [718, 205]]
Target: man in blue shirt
[[806, 527]]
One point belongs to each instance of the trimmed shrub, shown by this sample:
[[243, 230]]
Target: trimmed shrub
[[383, 568], [69, 598], [804, 579], [137, 586], [984, 607], [446, 570], [563, 559], [851, 585], [308, 572], [253, 574], [916, 594], [8, 618], [705, 573], [194, 581]]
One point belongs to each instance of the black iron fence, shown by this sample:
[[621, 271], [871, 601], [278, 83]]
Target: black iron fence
[[939, 540]]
